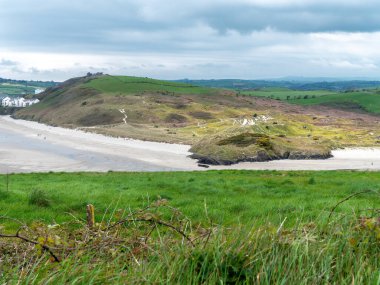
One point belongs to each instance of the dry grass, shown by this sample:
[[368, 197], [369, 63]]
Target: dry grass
[[143, 247]]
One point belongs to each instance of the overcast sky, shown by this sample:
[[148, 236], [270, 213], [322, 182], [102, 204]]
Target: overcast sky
[[248, 39]]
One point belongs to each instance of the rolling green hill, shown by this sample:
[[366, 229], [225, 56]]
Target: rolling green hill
[[22, 87], [223, 126], [292, 83], [367, 101], [364, 100], [352, 95], [15, 89], [132, 85], [287, 94]]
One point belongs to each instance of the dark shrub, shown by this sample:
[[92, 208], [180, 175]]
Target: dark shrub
[[201, 115], [180, 106], [175, 118], [264, 142], [39, 198], [4, 194]]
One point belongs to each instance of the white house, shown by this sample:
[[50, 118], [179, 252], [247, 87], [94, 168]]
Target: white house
[[39, 90], [17, 102], [2, 97], [6, 101], [31, 102]]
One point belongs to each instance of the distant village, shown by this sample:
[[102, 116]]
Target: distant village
[[17, 102]]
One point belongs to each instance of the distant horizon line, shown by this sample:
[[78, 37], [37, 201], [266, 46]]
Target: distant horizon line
[[294, 78]]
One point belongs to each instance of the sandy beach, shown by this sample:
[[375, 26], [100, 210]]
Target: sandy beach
[[27, 146]]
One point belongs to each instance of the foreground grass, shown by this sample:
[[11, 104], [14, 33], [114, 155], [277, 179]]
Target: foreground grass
[[245, 227], [341, 253], [231, 197]]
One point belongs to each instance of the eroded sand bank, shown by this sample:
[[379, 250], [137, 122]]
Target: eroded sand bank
[[27, 146]]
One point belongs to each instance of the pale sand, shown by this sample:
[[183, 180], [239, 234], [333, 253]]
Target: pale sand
[[27, 146]]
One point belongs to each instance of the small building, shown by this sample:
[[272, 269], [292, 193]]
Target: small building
[[18, 102], [6, 101], [38, 91]]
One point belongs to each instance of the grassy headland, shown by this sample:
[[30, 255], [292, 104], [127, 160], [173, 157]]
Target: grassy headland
[[211, 120]]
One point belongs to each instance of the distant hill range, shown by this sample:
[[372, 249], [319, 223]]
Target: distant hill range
[[331, 84], [12, 87], [44, 84]]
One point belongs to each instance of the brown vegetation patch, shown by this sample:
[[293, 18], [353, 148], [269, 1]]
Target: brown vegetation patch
[[180, 105], [103, 117], [346, 106], [201, 115], [174, 118]]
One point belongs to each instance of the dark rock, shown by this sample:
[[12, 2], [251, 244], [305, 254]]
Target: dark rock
[[299, 155], [210, 161], [261, 156], [203, 165]]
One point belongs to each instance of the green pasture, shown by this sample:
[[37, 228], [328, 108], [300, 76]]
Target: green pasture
[[228, 197]]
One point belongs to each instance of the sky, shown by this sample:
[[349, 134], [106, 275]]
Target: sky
[[197, 39]]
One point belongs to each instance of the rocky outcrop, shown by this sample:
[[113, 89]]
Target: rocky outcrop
[[261, 156]]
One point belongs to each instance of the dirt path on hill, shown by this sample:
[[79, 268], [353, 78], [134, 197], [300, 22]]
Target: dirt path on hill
[[27, 146]]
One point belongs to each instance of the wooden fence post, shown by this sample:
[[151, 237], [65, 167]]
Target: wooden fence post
[[90, 216]]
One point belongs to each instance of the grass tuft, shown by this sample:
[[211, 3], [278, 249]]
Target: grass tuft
[[39, 198], [4, 194]]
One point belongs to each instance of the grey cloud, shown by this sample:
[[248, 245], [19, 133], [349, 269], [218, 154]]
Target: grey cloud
[[84, 25], [314, 18], [198, 38], [8, 62]]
